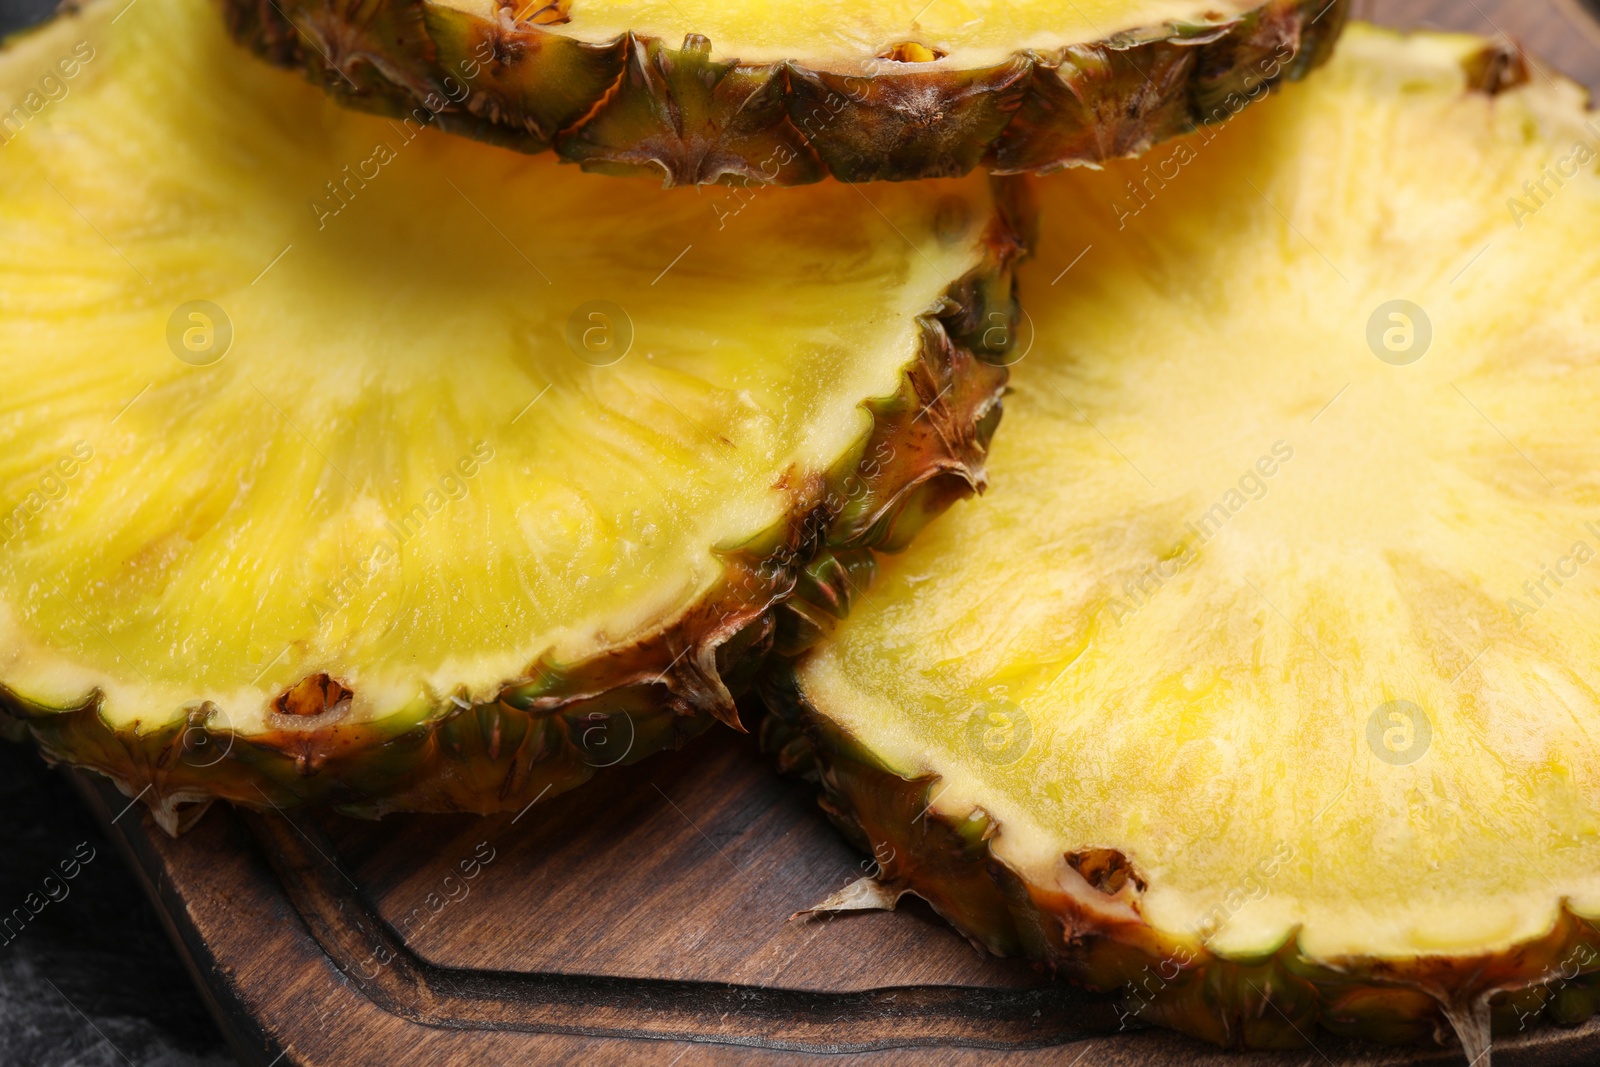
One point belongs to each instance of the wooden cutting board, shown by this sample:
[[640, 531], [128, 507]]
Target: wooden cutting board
[[645, 918]]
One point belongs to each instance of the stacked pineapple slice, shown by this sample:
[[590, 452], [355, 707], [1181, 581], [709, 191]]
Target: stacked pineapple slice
[[377, 468], [347, 462], [757, 92], [1280, 711]]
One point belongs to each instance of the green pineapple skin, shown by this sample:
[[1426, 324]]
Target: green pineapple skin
[[640, 105], [1276, 1002], [554, 728]]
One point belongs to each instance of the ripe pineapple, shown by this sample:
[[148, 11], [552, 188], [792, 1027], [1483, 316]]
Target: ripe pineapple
[[1261, 686], [344, 461], [760, 93]]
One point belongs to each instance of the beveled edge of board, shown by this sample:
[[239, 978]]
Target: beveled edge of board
[[298, 864], [379, 966]]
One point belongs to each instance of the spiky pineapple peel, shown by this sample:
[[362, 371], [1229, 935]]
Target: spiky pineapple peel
[[1261, 685], [754, 92], [344, 461]]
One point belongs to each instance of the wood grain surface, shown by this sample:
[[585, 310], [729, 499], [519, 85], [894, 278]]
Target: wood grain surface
[[641, 920], [645, 919]]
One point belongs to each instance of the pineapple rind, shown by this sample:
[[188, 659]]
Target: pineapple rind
[[636, 103], [1273, 1002]]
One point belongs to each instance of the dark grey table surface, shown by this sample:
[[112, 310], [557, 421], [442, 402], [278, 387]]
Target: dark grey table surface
[[91, 980]]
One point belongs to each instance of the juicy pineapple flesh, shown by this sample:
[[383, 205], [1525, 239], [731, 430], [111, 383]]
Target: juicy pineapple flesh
[[830, 34], [1288, 593], [445, 409]]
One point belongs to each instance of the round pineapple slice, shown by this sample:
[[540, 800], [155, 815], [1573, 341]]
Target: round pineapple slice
[[350, 462], [1262, 685], [752, 92]]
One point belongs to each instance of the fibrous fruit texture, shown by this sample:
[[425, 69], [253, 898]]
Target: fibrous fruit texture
[[345, 461], [752, 92], [1262, 685]]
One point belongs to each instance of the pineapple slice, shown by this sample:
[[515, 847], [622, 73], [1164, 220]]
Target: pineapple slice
[[1262, 685], [351, 462], [762, 93]]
